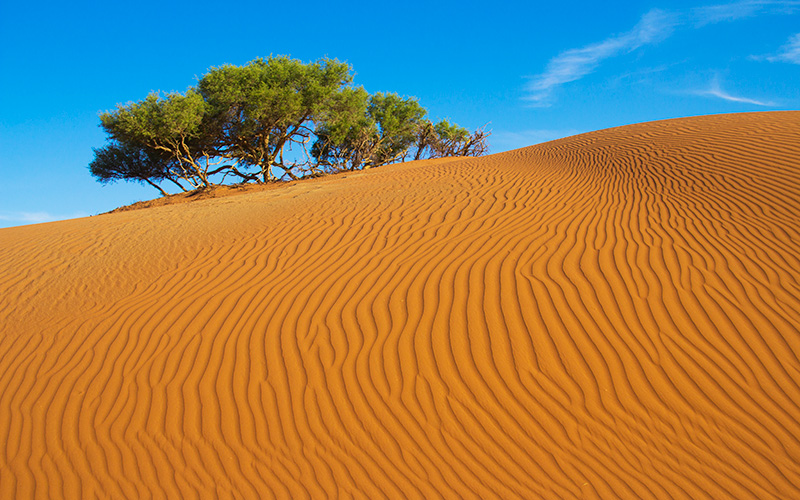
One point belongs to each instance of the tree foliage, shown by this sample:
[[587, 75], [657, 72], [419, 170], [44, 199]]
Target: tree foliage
[[116, 161], [446, 139], [260, 109], [270, 115], [173, 125], [380, 131]]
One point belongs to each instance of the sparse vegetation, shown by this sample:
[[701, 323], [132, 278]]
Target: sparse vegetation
[[271, 119]]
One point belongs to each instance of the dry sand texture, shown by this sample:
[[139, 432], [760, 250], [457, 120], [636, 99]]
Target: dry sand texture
[[611, 315]]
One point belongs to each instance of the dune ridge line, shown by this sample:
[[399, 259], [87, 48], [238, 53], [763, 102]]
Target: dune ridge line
[[609, 315]]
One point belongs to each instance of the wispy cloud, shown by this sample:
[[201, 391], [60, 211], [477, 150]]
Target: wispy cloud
[[711, 14], [640, 76], [655, 26], [788, 53], [22, 218], [715, 90], [574, 64]]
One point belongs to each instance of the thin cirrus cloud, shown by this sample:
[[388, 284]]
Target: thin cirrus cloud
[[711, 14], [22, 218], [574, 64], [788, 53], [653, 27], [715, 90]]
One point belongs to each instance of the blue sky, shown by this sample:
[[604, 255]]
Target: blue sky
[[534, 71]]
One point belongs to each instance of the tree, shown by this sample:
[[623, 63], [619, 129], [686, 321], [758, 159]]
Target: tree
[[377, 131], [249, 121], [117, 161], [259, 110], [344, 137], [173, 125], [398, 120], [445, 139]]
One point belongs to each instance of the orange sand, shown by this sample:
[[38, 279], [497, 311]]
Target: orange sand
[[611, 315]]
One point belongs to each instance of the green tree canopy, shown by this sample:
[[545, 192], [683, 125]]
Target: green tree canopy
[[380, 130], [173, 125], [125, 161], [260, 109], [274, 114], [448, 139]]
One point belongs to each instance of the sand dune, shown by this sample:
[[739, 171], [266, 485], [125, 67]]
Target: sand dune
[[610, 315]]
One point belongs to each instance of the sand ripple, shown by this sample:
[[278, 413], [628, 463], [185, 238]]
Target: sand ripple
[[611, 315]]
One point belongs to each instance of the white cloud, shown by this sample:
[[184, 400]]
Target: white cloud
[[788, 53], [711, 14], [715, 90], [574, 64], [22, 218], [653, 27]]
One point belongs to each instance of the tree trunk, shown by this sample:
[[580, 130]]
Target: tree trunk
[[266, 171]]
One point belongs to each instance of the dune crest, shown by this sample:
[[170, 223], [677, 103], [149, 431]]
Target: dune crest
[[610, 315]]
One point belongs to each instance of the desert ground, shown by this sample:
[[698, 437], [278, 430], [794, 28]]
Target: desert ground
[[610, 315]]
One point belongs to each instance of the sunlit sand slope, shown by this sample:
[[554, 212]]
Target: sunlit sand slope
[[611, 315]]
